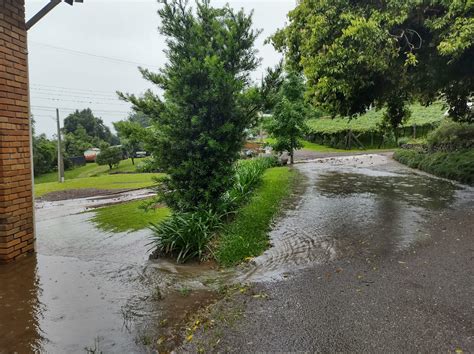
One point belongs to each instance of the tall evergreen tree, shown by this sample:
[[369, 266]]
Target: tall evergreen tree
[[200, 122]]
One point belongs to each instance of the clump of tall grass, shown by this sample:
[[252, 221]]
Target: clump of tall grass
[[248, 174], [187, 235]]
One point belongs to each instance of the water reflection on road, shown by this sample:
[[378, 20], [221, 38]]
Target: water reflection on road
[[362, 206], [87, 289]]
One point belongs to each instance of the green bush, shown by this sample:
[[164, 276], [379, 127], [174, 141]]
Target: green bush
[[148, 165], [450, 136], [186, 235], [457, 165]]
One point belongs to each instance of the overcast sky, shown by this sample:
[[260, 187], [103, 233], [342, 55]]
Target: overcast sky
[[64, 75]]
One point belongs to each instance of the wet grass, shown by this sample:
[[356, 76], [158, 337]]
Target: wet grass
[[369, 121], [247, 235], [105, 182], [90, 170], [127, 217], [457, 165]]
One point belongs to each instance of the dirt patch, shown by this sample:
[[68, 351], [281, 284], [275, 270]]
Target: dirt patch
[[80, 193]]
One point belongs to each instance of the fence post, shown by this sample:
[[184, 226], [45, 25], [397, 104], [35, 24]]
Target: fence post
[[414, 131]]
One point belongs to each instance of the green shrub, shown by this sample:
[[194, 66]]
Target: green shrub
[[403, 141], [148, 165], [186, 235], [450, 136], [457, 165]]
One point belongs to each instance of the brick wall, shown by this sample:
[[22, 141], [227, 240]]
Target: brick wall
[[16, 202]]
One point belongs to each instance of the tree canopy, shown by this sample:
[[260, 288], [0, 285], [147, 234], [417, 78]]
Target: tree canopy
[[357, 54], [199, 124], [90, 127]]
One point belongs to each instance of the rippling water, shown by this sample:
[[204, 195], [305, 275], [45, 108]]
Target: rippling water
[[90, 289], [362, 206]]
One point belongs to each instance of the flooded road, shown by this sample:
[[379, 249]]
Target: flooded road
[[88, 290], [372, 258], [365, 206]]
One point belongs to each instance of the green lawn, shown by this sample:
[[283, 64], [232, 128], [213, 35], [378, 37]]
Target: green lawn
[[106, 181], [89, 170], [127, 217], [247, 235], [368, 121]]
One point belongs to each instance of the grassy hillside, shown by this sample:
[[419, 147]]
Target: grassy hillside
[[368, 121]]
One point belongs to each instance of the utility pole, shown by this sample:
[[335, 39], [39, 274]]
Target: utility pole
[[60, 154]]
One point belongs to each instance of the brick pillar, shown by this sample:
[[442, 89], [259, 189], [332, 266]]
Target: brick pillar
[[16, 196]]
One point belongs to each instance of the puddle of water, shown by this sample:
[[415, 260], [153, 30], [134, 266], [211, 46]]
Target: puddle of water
[[362, 206], [87, 289]]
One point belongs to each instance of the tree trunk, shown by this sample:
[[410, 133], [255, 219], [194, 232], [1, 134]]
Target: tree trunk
[[110, 166], [133, 159], [291, 151]]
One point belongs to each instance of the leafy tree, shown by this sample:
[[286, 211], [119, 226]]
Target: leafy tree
[[289, 115], [132, 135], [74, 145], [111, 156], [200, 122], [140, 118], [359, 54], [84, 121], [45, 155]]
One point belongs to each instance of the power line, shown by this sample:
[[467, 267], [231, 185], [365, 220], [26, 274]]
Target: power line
[[76, 101], [75, 91], [48, 108], [78, 52]]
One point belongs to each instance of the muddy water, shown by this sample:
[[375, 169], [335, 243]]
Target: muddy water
[[361, 206], [88, 290]]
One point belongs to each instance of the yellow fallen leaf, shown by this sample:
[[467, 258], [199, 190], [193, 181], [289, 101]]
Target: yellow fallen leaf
[[189, 338], [458, 351], [248, 259], [161, 340]]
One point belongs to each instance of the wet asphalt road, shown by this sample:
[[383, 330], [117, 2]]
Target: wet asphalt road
[[416, 299]]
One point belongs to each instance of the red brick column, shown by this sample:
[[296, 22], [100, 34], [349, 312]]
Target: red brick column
[[16, 199]]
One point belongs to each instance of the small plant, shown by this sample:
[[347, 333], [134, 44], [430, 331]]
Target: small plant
[[186, 235], [185, 291]]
